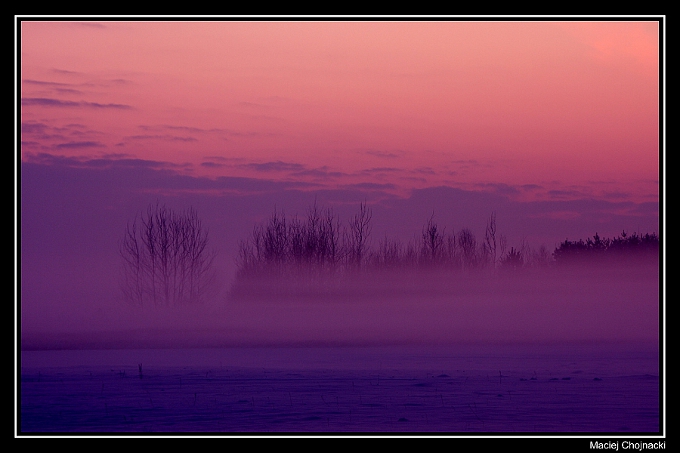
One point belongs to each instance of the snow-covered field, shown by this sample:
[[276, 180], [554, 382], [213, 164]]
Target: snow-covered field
[[459, 388]]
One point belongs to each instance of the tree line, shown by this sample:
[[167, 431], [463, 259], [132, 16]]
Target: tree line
[[623, 247], [166, 260], [319, 246]]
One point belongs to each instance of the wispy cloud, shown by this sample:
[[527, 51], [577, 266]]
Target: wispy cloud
[[212, 165], [68, 136], [78, 145], [166, 127], [33, 128], [106, 161], [370, 186], [424, 170], [278, 166], [499, 188], [162, 137], [48, 84], [617, 195], [65, 71], [382, 154], [564, 194], [68, 91], [198, 130], [321, 172], [381, 170], [51, 102]]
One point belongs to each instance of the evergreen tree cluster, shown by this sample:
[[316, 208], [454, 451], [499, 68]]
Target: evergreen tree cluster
[[596, 249]]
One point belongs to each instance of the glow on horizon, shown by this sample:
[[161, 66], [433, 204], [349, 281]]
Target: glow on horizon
[[562, 106]]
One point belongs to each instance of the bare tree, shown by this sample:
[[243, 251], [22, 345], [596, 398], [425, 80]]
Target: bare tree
[[321, 239], [166, 260], [468, 246], [388, 255], [275, 238], [433, 243], [525, 252], [503, 244], [358, 235], [490, 243], [452, 255], [296, 241]]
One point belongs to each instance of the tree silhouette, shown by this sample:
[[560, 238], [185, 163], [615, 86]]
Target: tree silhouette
[[300, 255], [357, 236], [166, 260], [513, 260], [468, 246], [490, 243], [433, 243], [624, 247]]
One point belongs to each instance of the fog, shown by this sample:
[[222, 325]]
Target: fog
[[73, 219], [614, 303]]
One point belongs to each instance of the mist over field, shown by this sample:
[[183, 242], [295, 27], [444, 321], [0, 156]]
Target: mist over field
[[615, 304], [71, 268], [74, 219]]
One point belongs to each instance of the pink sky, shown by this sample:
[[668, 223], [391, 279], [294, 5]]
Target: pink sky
[[546, 108]]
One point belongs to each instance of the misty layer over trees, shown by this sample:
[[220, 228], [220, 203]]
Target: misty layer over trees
[[319, 254], [314, 279]]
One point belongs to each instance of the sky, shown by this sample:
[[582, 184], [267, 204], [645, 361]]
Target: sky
[[552, 125]]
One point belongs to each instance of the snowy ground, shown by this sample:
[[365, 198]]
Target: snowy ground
[[539, 388]]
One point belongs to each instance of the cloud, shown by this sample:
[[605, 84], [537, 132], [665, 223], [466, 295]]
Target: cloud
[[382, 154], [43, 83], [617, 195], [251, 134], [562, 194], [278, 166], [558, 215], [381, 170], [370, 186], [68, 91], [50, 102], [212, 165], [162, 137], [70, 136], [159, 175], [76, 145], [499, 188], [198, 130], [107, 161], [65, 71], [321, 172], [645, 209], [255, 185], [33, 128], [164, 127]]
